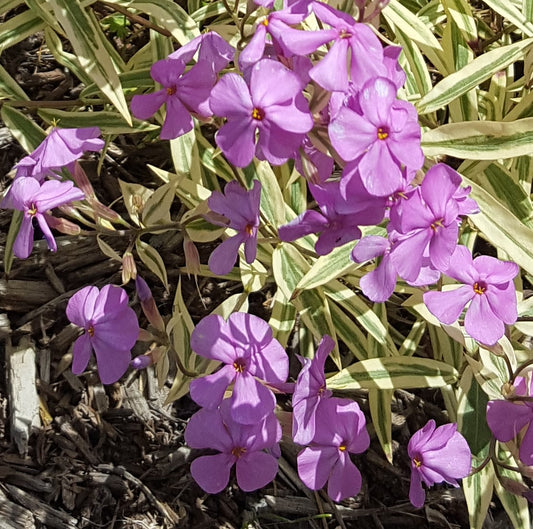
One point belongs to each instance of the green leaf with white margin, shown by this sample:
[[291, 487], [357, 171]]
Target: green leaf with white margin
[[501, 228], [282, 317], [488, 374], [445, 347], [516, 507], [156, 209], [394, 372], [9, 88], [253, 275], [379, 401], [23, 128], [132, 80], [289, 266], [14, 226], [357, 307], [151, 258], [213, 9], [19, 28], [107, 250], [135, 197], [328, 267], [480, 140], [413, 28], [7, 5], [212, 159], [348, 331], [87, 40], [507, 10], [461, 13], [480, 69], [412, 340], [168, 14], [185, 156], [107, 122]]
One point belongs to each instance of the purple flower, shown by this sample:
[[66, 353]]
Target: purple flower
[[507, 419], [488, 284], [240, 445], [250, 353], [59, 149], [309, 392], [331, 73], [273, 115], [437, 455], [341, 214], [111, 329], [382, 138], [34, 200], [342, 431], [314, 165], [428, 223], [182, 92], [241, 208]]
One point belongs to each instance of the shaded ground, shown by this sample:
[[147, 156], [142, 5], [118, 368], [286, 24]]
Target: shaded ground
[[113, 456]]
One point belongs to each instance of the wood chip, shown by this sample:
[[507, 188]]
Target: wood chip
[[24, 401], [21, 296], [13, 516]]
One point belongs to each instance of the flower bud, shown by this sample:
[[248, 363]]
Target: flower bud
[[129, 268], [142, 361], [62, 225], [192, 257], [148, 304]]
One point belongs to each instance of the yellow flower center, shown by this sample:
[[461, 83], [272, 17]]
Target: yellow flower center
[[479, 288], [417, 462], [437, 224], [90, 330], [33, 210], [171, 90], [238, 451], [382, 134], [342, 448], [258, 114], [239, 365]]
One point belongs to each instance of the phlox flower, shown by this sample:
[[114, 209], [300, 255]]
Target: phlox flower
[[347, 35], [309, 391], [241, 209], [111, 330], [182, 92], [428, 222], [263, 118], [507, 419], [341, 431], [382, 138], [35, 199], [487, 285], [314, 165], [242, 445], [437, 455], [59, 149], [250, 354]]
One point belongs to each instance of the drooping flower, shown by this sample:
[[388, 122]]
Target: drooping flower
[[242, 445], [249, 352], [382, 138], [266, 119], [59, 149], [309, 391], [507, 419], [241, 209], [342, 432], [111, 330], [437, 455], [488, 285], [35, 199]]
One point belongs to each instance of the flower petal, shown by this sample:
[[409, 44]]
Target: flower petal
[[206, 429], [209, 391], [81, 353], [315, 464], [251, 402], [345, 479], [255, 470], [447, 306], [212, 472], [481, 323], [223, 257], [23, 245]]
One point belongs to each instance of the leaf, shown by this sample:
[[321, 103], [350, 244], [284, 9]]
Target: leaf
[[380, 410], [151, 258], [19, 28], [14, 226], [135, 197], [349, 332], [9, 88], [516, 507], [507, 10], [480, 140], [412, 340], [27, 133], [394, 372], [156, 209], [184, 151], [107, 250], [480, 69], [132, 80], [501, 228], [253, 275], [282, 317], [87, 40], [328, 267], [478, 493]]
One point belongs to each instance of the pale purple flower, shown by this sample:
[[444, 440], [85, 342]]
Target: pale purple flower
[[341, 214], [488, 285], [241, 209], [382, 138], [59, 149], [183, 93], [348, 36], [341, 432], [111, 329], [242, 445], [428, 223], [275, 116], [314, 165], [35, 199], [250, 354], [507, 419], [310, 390], [437, 455]]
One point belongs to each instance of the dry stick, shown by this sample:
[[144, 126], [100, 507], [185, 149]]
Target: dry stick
[[137, 19]]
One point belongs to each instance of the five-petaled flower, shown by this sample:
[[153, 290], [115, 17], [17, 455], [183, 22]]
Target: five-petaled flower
[[437, 455], [111, 329]]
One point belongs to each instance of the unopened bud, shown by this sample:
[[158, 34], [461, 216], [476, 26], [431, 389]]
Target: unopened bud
[[148, 304], [142, 361], [143, 290], [103, 211], [192, 257], [514, 486], [80, 177], [62, 225], [129, 268]]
